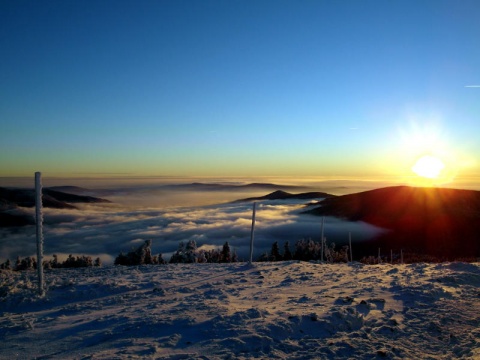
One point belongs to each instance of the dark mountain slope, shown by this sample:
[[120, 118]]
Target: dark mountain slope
[[12, 199], [434, 220]]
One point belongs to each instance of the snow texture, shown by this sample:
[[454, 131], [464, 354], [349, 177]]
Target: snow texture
[[283, 310]]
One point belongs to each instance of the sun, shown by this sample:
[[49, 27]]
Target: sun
[[429, 167]]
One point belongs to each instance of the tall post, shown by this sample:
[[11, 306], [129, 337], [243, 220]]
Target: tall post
[[39, 228], [321, 239], [252, 232], [350, 245], [379, 258]]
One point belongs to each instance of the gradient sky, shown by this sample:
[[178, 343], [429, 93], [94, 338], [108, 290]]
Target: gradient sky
[[238, 88]]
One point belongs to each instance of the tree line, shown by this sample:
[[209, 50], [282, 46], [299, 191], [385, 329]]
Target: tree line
[[30, 263], [186, 253]]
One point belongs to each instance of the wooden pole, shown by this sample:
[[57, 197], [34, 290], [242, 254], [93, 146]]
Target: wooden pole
[[39, 228], [252, 232], [350, 245], [321, 238]]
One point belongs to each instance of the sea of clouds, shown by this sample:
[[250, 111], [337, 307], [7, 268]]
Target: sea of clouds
[[169, 216]]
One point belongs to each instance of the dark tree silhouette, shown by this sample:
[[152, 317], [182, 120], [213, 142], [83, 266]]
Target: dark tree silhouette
[[275, 252]]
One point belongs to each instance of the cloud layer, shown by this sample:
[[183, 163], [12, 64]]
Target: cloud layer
[[106, 230]]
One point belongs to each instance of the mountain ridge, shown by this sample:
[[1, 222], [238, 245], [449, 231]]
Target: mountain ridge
[[12, 199], [440, 221], [283, 195]]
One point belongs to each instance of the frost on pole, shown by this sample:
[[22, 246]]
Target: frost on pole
[[39, 226], [252, 232]]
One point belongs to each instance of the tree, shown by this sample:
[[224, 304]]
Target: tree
[[275, 252], [140, 256], [226, 255], [190, 252], [179, 255], [287, 254], [160, 259]]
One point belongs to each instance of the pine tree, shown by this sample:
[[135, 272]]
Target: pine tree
[[161, 260], [225, 255], [287, 255], [275, 252], [190, 252]]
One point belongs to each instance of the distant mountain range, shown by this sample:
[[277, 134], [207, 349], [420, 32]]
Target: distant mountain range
[[11, 200], [443, 222], [282, 195], [226, 186]]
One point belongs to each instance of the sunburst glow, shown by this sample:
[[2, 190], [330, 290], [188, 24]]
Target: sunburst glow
[[428, 166]]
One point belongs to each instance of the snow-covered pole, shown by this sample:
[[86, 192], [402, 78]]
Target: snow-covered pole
[[321, 239], [39, 227], [252, 232], [350, 245]]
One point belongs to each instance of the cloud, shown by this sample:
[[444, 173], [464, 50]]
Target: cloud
[[472, 86], [109, 230]]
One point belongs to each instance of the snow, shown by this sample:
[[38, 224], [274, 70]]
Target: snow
[[283, 310]]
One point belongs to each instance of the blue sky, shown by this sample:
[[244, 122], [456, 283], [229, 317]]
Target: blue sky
[[238, 88]]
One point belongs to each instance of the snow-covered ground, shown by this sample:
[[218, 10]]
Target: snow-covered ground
[[284, 310]]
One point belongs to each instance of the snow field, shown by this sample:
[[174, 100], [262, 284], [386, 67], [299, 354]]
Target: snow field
[[283, 310]]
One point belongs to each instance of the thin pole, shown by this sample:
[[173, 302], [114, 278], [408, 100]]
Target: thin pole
[[39, 228], [252, 232], [391, 256], [321, 238], [350, 245], [379, 258]]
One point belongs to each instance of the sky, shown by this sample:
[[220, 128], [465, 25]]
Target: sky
[[357, 89]]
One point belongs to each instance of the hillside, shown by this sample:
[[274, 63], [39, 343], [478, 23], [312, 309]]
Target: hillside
[[434, 220], [12, 200]]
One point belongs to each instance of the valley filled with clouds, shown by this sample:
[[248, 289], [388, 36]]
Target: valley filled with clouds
[[169, 215]]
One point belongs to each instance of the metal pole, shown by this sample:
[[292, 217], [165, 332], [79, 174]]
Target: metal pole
[[252, 232], [39, 228]]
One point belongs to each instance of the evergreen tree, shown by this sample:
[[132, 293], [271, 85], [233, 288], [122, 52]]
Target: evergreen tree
[[98, 262], [179, 255], [140, 256], [225, 255], [275, 252], [190, 252], [201, 257], [161, 260], [287, 255]]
